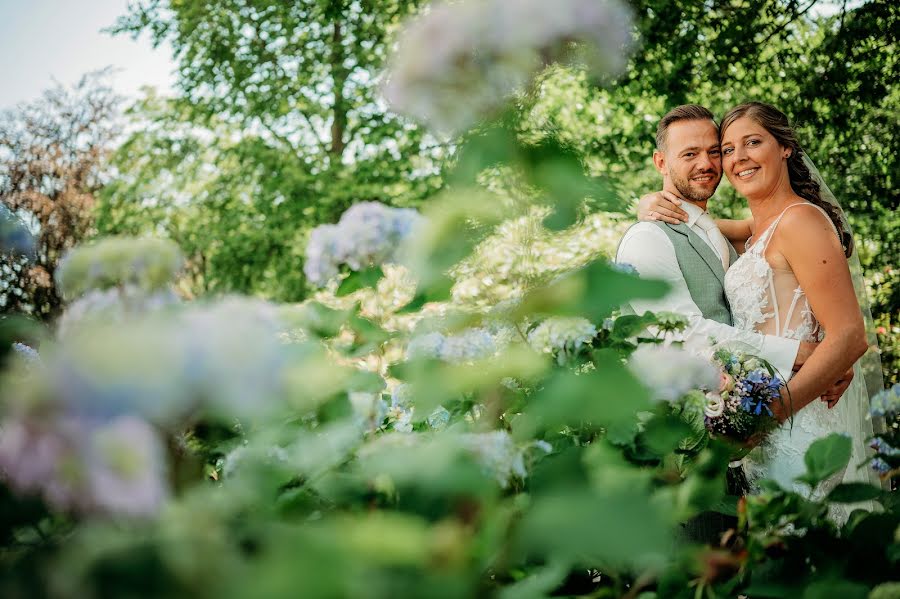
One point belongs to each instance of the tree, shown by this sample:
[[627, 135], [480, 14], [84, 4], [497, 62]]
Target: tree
[[277, 127], [52, 153]]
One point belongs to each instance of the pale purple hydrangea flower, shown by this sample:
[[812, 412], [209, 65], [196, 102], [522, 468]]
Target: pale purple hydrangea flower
[[115, 304], [126, 468], [115, 467], [30, 454], [466, 346], [368, 233]]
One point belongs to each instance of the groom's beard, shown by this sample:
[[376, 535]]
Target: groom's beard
[[694, 192]]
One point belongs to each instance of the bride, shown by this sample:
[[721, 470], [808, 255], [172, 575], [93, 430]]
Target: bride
[[792, 280]]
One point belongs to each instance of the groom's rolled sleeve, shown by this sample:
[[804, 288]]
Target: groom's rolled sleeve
[[649, 251]]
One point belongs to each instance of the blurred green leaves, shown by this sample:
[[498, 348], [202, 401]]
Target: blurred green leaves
[[825, 457]]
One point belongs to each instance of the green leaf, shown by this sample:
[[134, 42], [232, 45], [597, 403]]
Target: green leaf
[[607, 397], [360, 279], [630, 325], [836, 589], [366, 382], [539, 584], [592, 292], [663, 434], [825, 457], [853, 492]]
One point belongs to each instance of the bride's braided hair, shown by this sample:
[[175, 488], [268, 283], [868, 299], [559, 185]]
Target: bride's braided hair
[[776, 123]]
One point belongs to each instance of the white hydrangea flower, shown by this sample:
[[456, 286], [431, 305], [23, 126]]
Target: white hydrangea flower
[[369, 408], [439, 419], [460, 61], [400, 419], [522, 254], [562, 335], [498, 454], [468, 346], [238, 457], [670, 372]]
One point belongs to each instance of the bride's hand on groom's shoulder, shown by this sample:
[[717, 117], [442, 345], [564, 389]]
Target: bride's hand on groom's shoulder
[[662, 206]]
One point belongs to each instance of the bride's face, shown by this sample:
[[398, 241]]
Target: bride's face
[[753, 160]]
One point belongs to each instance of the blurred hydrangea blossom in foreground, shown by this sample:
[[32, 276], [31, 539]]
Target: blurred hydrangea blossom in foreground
[[461, 61], [669, 372]]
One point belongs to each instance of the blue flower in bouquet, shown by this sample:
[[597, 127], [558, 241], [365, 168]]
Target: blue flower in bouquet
[[756, 377]]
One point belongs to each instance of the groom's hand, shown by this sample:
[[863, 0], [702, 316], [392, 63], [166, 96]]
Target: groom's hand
[[803, 354], [663, 206], [833, 395]]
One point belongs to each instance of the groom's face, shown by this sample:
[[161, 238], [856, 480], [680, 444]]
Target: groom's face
[[692, 160]]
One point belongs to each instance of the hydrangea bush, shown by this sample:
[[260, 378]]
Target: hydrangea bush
[[395, 436]]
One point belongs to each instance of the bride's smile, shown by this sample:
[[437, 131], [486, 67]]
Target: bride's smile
[[753, 160]]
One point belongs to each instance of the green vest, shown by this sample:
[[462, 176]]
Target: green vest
[[702, 271]]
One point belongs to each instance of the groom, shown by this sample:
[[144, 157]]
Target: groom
[[692, 257]]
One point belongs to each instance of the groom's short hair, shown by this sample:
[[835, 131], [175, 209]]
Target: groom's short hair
[[685, 112]]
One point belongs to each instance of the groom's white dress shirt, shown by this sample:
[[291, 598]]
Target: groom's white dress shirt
[[647, 248]]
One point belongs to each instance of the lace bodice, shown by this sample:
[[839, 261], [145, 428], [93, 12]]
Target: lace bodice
[[766, 299], [770, 300]]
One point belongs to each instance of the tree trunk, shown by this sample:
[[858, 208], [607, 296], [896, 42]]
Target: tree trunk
[[339, 76]]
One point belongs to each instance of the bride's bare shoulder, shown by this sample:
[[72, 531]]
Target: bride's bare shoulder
[[805, 227]]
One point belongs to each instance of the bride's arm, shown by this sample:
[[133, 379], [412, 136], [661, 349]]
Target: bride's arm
[[661, 205], [664, 206], [736, 231], [806, 239]]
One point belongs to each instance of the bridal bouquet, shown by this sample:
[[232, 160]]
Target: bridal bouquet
[[742, 406]]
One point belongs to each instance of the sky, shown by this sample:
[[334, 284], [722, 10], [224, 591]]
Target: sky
[[42, 41]]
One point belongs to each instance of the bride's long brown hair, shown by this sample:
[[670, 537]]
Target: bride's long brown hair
[[776, 123]]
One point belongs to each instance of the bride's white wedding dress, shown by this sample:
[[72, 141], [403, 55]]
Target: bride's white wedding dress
[[771, 301]]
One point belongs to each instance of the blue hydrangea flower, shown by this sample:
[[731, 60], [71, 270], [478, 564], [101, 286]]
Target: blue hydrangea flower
[[880, 466], [883, 447], [624, 267], [886, 403]]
